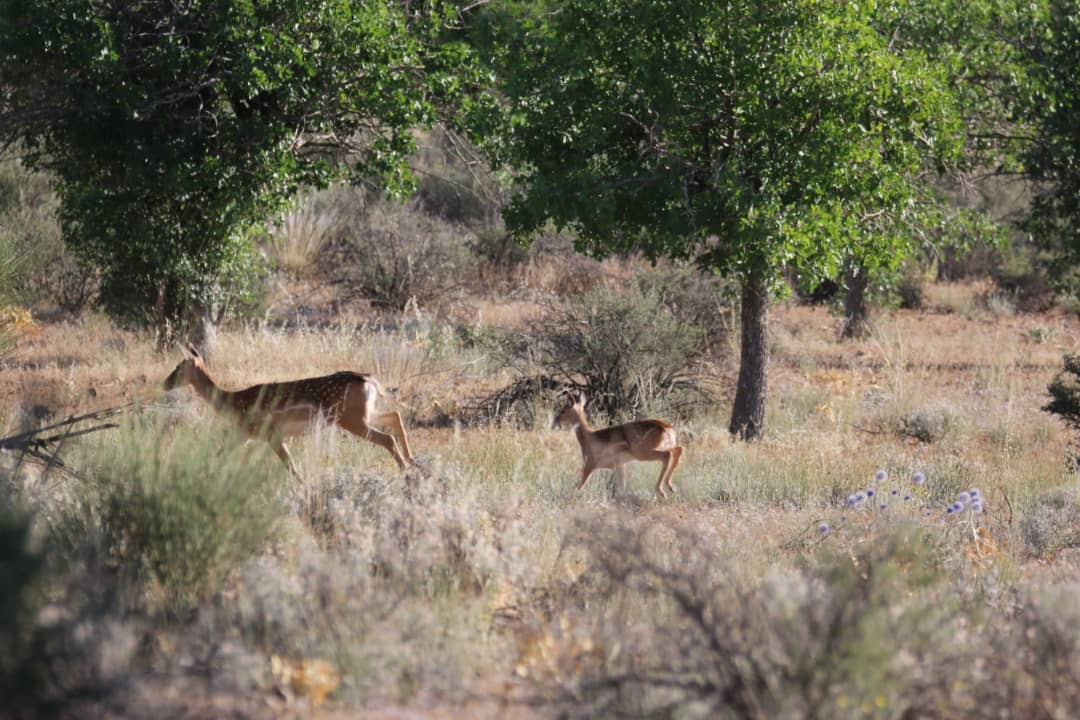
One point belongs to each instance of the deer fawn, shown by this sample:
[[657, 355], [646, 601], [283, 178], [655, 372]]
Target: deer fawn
[[277, 411], [613, 447]]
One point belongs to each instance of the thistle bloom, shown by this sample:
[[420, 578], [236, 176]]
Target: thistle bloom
[[823, 528], [881, 476], [870, 492], [895, 492], [974, 492], [949, 510], [976, 507], [919, 478], [958, 506], [964, 497], [907, 497]]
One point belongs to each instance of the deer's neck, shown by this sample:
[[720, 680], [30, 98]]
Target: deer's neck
[[207, 389], [583, 430]]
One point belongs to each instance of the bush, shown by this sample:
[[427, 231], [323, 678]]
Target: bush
[[36, 266], [295, 241], [21, 571], [1053, 522], [1065, 392], [628, 352], [1022, 275], [180, 509], [911, 286], [456, 184], [390, 254], [681, 634]]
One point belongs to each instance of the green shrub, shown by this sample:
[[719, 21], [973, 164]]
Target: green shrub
[[181, 509], [1065, 392], [21, 570]]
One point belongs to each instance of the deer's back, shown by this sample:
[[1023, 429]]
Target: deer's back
[[325, 394]]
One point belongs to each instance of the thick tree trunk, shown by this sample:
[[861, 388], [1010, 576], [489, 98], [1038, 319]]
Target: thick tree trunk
[[856, 307], [748, 414]]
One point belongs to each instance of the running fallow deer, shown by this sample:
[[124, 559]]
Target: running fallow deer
[[278, 411]]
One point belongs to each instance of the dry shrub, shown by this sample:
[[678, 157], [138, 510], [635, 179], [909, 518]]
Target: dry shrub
[[296, 240], [456, 183], [35, 265], [390, 254], [1052, 523], [631, 353], [664, 626], [393, 594]]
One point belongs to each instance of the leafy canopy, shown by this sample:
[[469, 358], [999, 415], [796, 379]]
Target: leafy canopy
[[752, 135], [1052, 158], [173, 126]]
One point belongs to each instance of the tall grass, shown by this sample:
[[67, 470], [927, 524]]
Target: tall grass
[[176, 509]]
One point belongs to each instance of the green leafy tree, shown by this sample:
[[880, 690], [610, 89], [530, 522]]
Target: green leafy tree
[[748, 135], [1052, 157], [173, 127]]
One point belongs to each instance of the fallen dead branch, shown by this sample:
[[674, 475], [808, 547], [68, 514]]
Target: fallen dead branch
[[43, 447]]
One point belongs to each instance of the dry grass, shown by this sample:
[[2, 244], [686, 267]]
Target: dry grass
[[472, 583]]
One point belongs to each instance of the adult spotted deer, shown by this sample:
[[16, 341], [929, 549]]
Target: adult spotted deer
[[278, 411], [613, 447]]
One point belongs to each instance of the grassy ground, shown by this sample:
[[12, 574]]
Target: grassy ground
[[486, 585]]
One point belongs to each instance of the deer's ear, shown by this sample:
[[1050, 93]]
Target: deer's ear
[[580, 399], [185, 352], [193, 352]]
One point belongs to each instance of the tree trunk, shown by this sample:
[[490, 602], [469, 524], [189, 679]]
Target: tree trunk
[[748, 414], [856, 308]]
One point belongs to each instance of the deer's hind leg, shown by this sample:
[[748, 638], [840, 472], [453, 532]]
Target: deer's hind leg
[[676, 455], [670, 460], [358, 416]]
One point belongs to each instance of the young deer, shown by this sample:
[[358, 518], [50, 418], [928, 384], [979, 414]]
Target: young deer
[[613, 447], [277, 411]]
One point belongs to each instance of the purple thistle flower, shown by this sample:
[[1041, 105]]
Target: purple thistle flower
[[823, 528], [852, 500], [895, 492], [949, 510], [964, 497], [919, 478], [881, 476], [974, 492], [907, 497], [869, 492], [884, 506], [976, 507], [958, 506]]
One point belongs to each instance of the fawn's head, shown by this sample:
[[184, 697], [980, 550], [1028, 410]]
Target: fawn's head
[[186, 368], [573, 413]]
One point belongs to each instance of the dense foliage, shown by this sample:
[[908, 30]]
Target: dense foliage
[[752, 137], [174, 126]]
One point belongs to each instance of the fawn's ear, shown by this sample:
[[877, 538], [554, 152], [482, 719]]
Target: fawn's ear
[[580, 400], [193, 352]]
